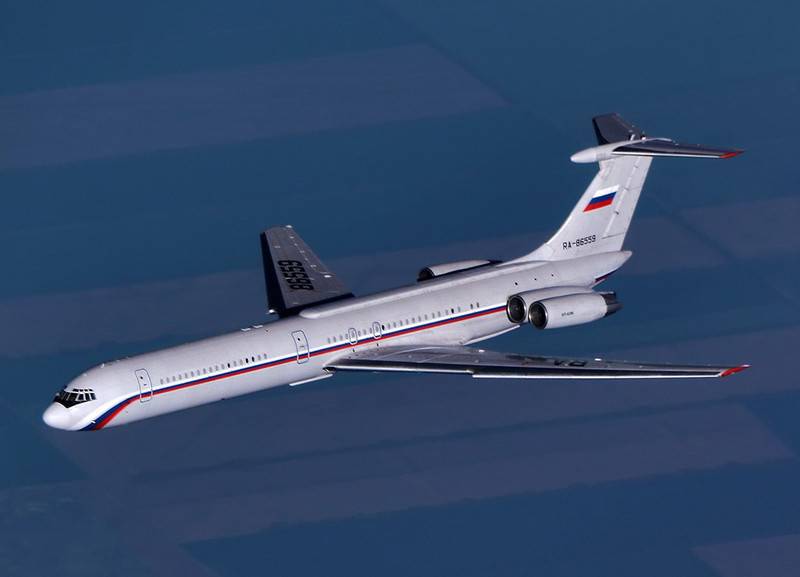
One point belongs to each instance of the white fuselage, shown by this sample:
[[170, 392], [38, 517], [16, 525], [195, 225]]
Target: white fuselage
[[456, 309]]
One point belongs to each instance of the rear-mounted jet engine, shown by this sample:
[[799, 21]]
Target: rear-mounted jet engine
[[563, 311]]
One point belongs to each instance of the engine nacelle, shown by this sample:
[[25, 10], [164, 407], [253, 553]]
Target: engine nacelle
[[518, 306], [572, 310], [437, 270]]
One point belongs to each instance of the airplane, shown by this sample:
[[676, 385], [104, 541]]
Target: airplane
[[323, 329]]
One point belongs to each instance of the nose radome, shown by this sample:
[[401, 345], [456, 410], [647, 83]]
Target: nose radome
[[56, 416]]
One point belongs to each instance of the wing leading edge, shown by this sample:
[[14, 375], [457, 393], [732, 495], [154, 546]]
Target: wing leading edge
[[295, 277], [480, 363]]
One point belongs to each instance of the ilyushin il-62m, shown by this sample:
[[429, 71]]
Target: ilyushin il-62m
[[323, 329]]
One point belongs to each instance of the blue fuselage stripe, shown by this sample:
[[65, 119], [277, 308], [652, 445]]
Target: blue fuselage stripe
[[101, 421]]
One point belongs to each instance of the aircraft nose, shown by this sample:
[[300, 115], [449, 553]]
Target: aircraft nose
[[56, 416]]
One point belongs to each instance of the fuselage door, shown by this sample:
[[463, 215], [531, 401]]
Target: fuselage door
[[376, 330], [301, 345], [145, 386]]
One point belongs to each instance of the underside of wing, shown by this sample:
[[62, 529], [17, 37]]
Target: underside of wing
[[480, 363], [296, 278]]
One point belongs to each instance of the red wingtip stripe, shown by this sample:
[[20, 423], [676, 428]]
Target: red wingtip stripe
[[734, 370], [732, 154]]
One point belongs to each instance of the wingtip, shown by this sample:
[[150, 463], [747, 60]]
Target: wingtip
[[731, 154], [733, 370]]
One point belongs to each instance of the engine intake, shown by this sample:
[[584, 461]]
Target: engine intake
[[517, 310], [572, 310]]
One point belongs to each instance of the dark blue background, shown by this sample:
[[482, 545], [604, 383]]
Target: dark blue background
[[143, 147]]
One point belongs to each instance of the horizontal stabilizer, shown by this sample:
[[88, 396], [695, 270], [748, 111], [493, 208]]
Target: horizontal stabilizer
[[618, 137], [651, 147], [665, 147], [613, 128]]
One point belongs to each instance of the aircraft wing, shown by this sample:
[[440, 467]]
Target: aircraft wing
[[480, 363], [296, 278]]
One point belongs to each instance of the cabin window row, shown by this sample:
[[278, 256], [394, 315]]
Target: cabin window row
[[346, 337], [214, 369]]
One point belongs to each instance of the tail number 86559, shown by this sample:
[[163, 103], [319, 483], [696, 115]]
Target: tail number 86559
[[295, 275]]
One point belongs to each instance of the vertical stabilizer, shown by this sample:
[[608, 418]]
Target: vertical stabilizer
[[602, 216]]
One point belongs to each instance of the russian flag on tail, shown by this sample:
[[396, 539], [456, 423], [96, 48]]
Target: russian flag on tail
[[601, 198]]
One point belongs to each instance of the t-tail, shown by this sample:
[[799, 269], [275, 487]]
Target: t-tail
[[600, 220]]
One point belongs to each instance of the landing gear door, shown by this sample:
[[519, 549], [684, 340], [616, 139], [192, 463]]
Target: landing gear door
[[301, 345], [145, 386]]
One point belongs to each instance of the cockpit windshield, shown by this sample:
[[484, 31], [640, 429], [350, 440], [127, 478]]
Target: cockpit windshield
[[74, 397]]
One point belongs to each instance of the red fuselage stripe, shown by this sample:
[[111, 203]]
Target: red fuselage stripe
[[110, 415]]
